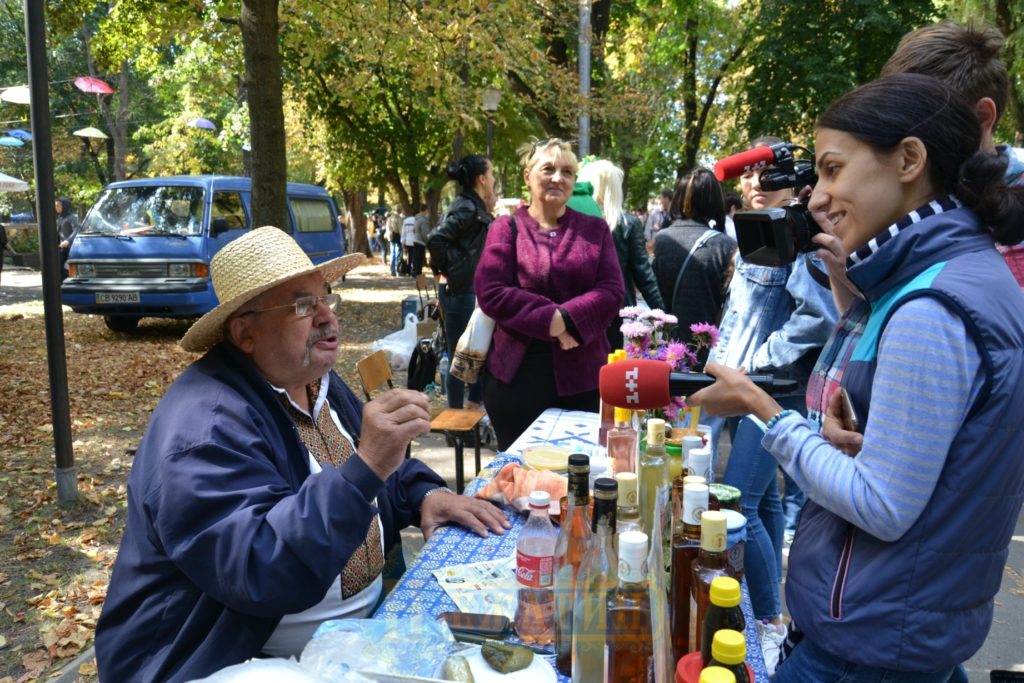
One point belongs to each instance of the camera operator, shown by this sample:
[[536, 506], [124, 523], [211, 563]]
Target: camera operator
[[776, 320]]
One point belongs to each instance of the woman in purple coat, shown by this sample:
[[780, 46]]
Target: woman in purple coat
[[550, 278]]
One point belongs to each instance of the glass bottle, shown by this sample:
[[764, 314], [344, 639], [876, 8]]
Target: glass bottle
[[693, 501], [622, 442], [628, 514], [535, 560], [573, 541], [698, 463], [653, 473], [630, 641], [690, 442], [723, 613], [712, 561], [598, 575], [729, 651]]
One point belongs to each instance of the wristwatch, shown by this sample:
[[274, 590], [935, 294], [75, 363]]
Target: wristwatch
[[433, 491]]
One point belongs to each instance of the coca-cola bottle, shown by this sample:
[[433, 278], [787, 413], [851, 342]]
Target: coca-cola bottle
[[535, 565]]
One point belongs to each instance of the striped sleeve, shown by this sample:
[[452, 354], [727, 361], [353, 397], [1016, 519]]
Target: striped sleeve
[[928, 375]]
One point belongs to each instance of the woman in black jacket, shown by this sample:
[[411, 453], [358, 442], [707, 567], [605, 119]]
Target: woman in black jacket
[[628, 234], [67, 227], [455, 247]]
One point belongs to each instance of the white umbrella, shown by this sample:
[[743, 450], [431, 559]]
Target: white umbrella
[[12, 184], [91, 132], [18, 94]]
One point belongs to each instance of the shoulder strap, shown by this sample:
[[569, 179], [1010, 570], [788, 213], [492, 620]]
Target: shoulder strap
[[701, 241]]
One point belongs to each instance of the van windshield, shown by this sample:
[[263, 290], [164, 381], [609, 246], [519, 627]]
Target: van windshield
[[146, 211]]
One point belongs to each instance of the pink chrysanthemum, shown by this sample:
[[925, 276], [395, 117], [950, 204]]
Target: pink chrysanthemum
[[635, 330], [705, 334]]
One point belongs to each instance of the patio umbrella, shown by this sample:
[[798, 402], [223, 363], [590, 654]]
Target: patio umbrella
[[91, 132], [12, 184], [8, 141], [20, 134], [17, 94], [90, 84], [202, 123]]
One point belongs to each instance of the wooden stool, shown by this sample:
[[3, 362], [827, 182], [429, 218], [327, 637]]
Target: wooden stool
[[459, 422]]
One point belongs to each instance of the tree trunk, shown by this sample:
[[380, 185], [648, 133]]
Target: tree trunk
[[359, 244], [261, 47]]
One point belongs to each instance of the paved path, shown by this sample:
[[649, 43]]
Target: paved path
[[18, 285]]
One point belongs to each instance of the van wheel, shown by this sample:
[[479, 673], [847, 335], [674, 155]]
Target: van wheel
[[120, 323]]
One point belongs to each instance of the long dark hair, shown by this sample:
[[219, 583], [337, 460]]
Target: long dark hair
[[699, 196], [466, 170], [885, 111]]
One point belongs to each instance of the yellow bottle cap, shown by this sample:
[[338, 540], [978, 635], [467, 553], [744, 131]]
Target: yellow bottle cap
[[612, 357], [713, 531], [728, 647], [725, 591], [620, 354], [716, 674], [623, 415]]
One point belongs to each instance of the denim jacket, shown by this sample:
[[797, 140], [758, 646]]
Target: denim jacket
[[774, 317]]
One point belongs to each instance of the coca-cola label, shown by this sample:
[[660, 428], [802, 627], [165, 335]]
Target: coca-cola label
[[534, 571]]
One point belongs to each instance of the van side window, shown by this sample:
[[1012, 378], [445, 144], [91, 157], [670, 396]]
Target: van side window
[[228, 205], [312, 215]]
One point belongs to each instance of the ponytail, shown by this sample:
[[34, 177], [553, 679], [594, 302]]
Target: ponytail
[[980, 186]]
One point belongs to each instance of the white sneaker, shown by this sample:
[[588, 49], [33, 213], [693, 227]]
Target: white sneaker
[[772, 637]]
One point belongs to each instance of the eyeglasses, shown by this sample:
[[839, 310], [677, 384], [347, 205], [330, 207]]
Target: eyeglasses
[[304, 306]]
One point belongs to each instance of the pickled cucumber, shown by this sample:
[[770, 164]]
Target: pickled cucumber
[[505, 658], [456, 668]]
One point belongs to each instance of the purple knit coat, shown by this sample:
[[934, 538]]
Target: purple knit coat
[[575, 268]]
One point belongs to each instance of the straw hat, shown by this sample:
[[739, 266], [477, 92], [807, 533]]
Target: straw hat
[[250, 265]]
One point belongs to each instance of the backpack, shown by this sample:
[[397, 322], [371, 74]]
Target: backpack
[[422, 366]]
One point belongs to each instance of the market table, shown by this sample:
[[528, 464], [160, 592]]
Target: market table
[[418, 591]]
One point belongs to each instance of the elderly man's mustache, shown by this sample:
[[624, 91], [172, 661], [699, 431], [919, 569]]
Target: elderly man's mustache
[[325, 331]]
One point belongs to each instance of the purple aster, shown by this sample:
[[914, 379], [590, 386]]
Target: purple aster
[[705, 334]]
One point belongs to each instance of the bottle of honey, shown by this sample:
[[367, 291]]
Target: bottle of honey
[[712, 561]]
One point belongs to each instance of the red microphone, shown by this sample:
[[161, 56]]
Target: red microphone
[[640, 384], [751, 160]]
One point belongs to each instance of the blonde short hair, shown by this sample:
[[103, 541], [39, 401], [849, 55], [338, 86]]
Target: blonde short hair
[[529, 152]]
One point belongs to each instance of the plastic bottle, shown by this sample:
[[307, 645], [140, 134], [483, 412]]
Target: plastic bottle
[[598, 575], [716, 674], [630, 638], [723, 613], [573, 541], [443, 368], [535, 568], [729, 651]]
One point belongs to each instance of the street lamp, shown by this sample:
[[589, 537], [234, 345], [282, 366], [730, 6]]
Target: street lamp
[[491, 97]]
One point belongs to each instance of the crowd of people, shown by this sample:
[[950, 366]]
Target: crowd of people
[[266, 498]]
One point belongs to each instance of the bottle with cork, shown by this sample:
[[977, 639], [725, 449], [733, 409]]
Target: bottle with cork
[[712, 561], [630, 639], [622, 442], [653, 473], [572, 543], [628, 514], [692, 502]]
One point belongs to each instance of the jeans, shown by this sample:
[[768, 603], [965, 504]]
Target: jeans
[[457, 309], [396, 255], [810, 664], [752, 470], [793, 500]]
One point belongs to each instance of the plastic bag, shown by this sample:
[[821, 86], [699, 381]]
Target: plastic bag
[[399, 345], [264, 671], [472, 347], [413, 646]]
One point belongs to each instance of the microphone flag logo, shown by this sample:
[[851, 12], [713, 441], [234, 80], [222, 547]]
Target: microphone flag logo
[[633, 397]]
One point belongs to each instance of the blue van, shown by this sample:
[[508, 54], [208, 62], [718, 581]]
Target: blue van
[[144, 248]]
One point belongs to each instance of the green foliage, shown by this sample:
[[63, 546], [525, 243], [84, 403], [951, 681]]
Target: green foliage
[[807, 54]]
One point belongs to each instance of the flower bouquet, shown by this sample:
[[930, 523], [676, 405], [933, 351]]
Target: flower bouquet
[[646, 336]]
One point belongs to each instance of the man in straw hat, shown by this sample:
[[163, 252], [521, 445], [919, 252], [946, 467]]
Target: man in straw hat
[[264, 496]]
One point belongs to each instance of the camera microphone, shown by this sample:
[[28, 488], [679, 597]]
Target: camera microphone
[[751, 160], [641, 384]]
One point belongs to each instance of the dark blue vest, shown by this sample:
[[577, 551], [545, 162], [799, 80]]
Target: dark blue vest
[[924, 602]]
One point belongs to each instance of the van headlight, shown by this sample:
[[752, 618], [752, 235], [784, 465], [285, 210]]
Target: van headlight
[[179, 270], [85, 270]]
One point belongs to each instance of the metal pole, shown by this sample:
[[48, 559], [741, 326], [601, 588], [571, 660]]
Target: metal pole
[[42, 151], [585, 38], [490, 137]]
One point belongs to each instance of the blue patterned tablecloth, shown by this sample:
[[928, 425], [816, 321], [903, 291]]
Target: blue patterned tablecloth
[[418, 592]]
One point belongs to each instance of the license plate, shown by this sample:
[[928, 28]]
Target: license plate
[[117, 297]]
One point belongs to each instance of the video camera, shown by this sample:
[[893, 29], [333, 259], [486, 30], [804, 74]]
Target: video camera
[[773, 237]]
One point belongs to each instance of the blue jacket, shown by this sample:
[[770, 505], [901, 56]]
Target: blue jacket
[[227, 530], [924, 601], [775, 320]]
